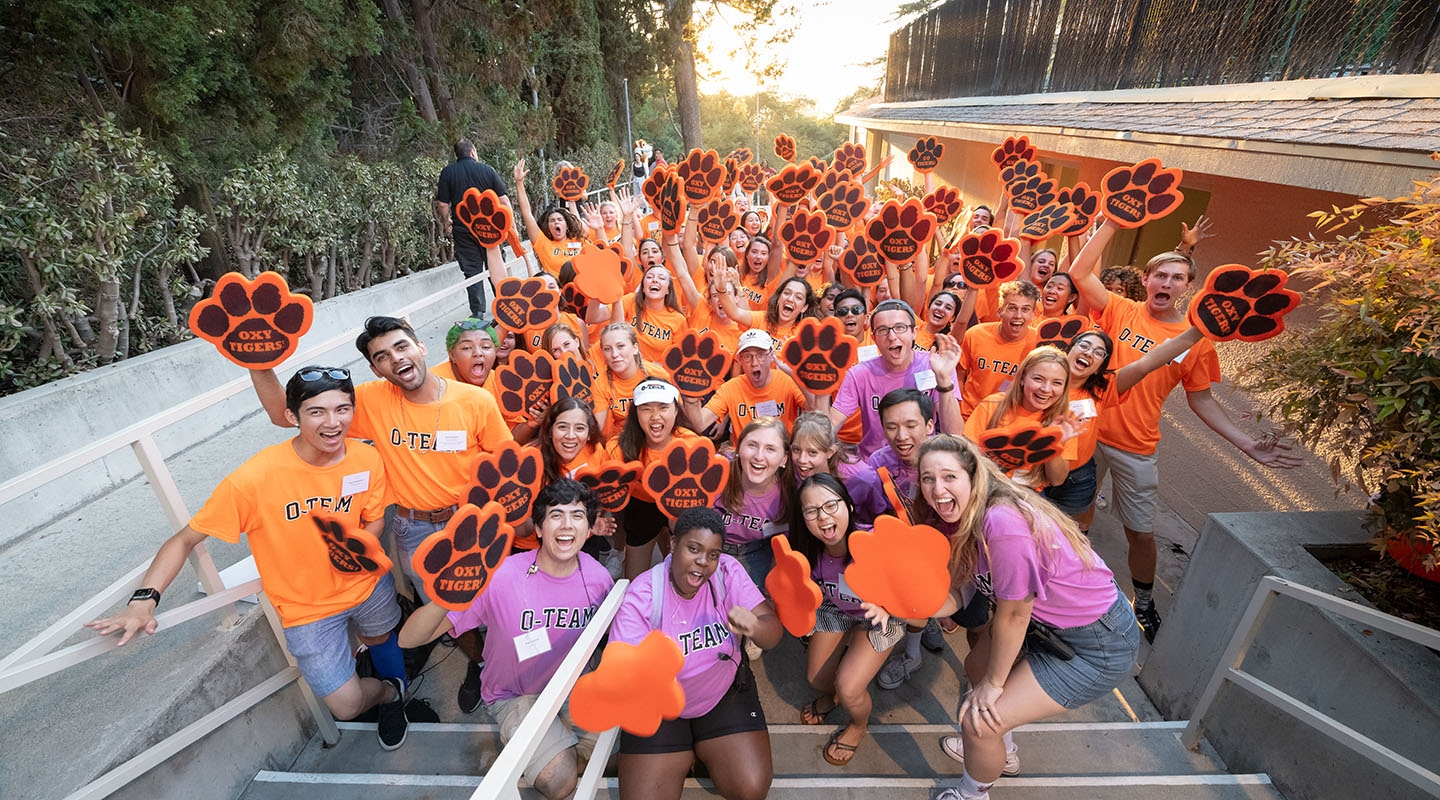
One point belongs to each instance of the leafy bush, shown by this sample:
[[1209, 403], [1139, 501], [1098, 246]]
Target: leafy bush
[[1364, 383]]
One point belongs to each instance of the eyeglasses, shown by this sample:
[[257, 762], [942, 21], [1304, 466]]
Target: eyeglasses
[[957, 283], [1084, 345], [850, 311], [312, 375], [898, 330], [829, 508]]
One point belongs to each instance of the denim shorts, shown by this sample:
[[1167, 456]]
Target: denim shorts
[[1105, 653], [409, 534], [757, 557], [322, 648], [1076, 494]]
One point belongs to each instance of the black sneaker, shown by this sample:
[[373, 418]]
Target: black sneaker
[[469, 695], [1149, 620], [419, 710], [931, 638], [391, 724]]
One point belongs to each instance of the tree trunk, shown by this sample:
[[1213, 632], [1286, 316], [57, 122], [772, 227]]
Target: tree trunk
[[431, 53], [167, 298], [122, 342], [413, 78], [107, 314], [687, 95], [51, 343]]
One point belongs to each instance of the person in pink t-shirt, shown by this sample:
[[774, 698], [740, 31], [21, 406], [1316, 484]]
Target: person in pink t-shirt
[[756, 502], [1052, 594], [535, 608], [702, 599]]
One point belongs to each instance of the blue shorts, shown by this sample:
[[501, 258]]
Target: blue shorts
[[1075, 495], [322, 648], [757, 557], [409, 534], [1105, 653]]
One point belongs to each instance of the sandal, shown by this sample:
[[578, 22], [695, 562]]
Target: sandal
[[811, 713], [835, 744]]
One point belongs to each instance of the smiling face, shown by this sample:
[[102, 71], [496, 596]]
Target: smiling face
[[656, 284], [1088, 355], [757, 257], [323, 421], [507, 346], [738, 240], [562, 532], [570, 434], [906, 429], [694, 557], [945, 485], [1056, 295], [657, 420], [981, 218], [1164, 285], [895, 336], [940, 312], [650, 254], [1043, 385], [827, 301], [832, 518], [852, 315], [752, 224], [792, 301], [1042, 266], [807, 458], [399, 359], [1016, 314], [759, 458], [562, 343], [473, 356], [609, 214]]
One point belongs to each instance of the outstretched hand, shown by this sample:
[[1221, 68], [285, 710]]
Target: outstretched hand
[[946, 356], [520, 172], [136, 617], [1274, 451], [1204, 229], [1071, 425]]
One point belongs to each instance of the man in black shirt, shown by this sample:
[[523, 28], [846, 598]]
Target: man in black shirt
[[458, 176]]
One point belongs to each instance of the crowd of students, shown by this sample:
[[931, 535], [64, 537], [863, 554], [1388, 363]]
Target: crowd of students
[[941, 364]]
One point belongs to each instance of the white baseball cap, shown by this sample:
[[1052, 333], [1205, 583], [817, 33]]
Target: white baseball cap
[[653, 390], [755, 338]]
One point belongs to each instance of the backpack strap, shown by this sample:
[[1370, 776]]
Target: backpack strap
[[657, 595]]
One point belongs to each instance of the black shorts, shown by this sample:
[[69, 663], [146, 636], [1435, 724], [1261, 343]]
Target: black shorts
[[642, 522], [738, 711], [975, 614]]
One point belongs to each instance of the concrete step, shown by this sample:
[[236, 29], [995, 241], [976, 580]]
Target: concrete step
[[346, 786], [1046, 749]]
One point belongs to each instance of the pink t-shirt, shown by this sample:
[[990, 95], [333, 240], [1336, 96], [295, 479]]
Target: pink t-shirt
[[1010, 567], [829, 572], [533, 620], [698, 625], [867, 382], [756, 519]]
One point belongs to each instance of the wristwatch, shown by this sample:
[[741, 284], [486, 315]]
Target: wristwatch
[[145, 594]]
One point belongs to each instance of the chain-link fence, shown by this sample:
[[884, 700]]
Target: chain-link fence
[[1007, 47]]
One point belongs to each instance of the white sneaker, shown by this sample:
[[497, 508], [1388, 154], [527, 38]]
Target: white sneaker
[[897, 670], [954, 793], [954, 747]]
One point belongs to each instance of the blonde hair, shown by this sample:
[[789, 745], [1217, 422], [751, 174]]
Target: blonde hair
[[815, 428], [628, 331], [1014, 396], [548, 337], [733, 498]]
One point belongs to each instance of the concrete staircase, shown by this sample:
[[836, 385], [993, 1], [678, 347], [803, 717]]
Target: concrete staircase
[[1116, 748]]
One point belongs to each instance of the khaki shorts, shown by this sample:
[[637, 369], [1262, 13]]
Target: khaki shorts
[[1134, 484], [559, 737]]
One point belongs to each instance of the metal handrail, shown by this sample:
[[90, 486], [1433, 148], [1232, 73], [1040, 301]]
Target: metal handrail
[[502, 780], [1229, 670]]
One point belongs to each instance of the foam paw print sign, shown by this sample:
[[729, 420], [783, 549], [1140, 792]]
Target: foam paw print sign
[[352, 550], [732, 175], [861, 263], [701, 174], [1021, 444], [256, 324], [818, 164], [850, 156], [572, 300], [944, 203], [820, 353], [686, 474], [635, 687], [1046, 222], [570, 184], [742, 155], [629, 275], [525, 381], [1237, 302], [599, 274], [1061, 331], [901, 229], [794, 592], [716, 220], [671, 205], [509, 476], [1030, 189], [752, 177], [1084, 203], [611, 482], [792, 183], [488, 220], [925, 155], [785, 147], [1140, 193], [573, 379], [613, 177], [1011, 150], [457, 563], [988, 257], [654, 182], [843, 204], [526, 304], [806, 236], [697, 364], [902, 568]]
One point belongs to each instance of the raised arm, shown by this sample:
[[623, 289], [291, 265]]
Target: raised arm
[[685, 262], [523, 200], [1127, 376], [272, 396], [1271, 453], [1083, 271]]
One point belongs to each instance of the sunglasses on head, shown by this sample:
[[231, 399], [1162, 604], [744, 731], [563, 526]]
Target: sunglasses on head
[[334, 373], [473, 324]]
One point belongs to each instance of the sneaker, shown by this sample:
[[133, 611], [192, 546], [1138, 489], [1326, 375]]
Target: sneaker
[[469, 695], [954, 793], [932, 639], [391, 724], [954, 747], [752, 650], [419, 710], [1149, 620], [896, 671]]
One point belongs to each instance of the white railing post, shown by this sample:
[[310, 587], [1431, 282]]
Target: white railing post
[[1234, 655], [324, 720]]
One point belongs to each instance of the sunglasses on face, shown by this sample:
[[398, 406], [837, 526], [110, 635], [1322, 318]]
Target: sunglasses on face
[[849, 311]]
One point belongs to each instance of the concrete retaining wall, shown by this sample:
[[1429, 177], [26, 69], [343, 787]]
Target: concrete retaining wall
[[1386, 688]]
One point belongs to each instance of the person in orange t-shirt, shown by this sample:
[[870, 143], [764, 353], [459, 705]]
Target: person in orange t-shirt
[[622, 370], [557, 237], [654, 312], [1039, 393], [991, 351], [1130, 432], [303, 505], [758, 391]]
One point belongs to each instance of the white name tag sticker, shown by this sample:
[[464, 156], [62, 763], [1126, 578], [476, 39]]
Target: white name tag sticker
[[868, 352], [534, 643], [1084, 409], [351, 484], [574, 247], [769, 408], [449, 441], [925, 380]]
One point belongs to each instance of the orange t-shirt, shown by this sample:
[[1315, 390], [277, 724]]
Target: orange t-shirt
[[649, 229], [740, 402], [1085, 442], [532, 339], [268, 498], [657, 331], [429, 450], [756, 295], [989, 362], [977, 423], [1134, 424], [615, 395], [553, 255], [647, 454], [987, 303], [704, 320]]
